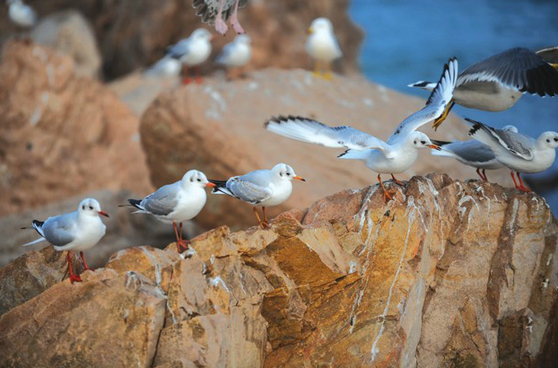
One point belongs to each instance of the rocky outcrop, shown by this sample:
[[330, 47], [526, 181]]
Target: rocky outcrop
[[216, 128], [61, 135], [449, 273], [127, 40]]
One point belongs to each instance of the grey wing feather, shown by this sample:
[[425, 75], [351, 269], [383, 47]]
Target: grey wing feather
[[436, 104], [248, 188], [224, 55], [163, 201], [60, 230], [472, 151], [311, 131], [179, 49], [515, 143], [517, 68]]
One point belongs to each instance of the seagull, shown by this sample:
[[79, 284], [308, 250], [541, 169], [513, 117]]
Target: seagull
[[176, 203], [396, 155], [74, 231], [472, 153], [166, 67], [322, 46], [22, 14], [237, 53], [192, 51], [218, 11], [262, 188], [497, 83], [518, 152]]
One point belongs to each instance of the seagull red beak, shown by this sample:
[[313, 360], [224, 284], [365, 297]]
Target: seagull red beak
[[299, 178], [433, 146], [103, 213], [211, 185]]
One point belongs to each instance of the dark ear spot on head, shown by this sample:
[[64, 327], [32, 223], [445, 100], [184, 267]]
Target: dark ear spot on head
[[83, 207]]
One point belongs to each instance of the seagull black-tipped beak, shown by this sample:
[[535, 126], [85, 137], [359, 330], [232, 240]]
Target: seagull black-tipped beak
[[434, 146], [103, 213], [211, 185], [299, 178]]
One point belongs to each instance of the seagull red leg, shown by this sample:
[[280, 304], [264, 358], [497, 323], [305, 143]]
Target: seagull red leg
[[260, 222], [485, 178], [513, 178], [220, 25], [73, 277], [83, 261], [183, 244], [234, 19], [265, 222], [522, 186], [396, 181], [387, 196]]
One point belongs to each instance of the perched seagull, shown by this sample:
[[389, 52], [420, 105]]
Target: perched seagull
[[471, 153], [237, 53], [396, 155], [518, 152], [192, 51], [74, 231], [262, 188], [166, 67], [21, 14], [322, 46], [218, 11], [497, 83], [177, 202]]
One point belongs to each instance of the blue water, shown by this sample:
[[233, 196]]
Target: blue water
[[407, 41]]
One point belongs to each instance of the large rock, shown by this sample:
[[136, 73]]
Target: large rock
[[217, 128], [61, 135], [449, 273], [127, 39], [69, 33]]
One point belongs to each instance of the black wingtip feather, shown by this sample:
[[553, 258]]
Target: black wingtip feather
[[439, 143], [135, 203]]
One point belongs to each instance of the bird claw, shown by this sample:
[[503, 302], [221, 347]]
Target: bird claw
[[182, 245], [264, 225], [524, 189], [221, 26], [76, 278], [236, 25]]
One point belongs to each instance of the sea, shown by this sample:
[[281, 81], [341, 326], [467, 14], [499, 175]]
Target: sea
[[408, 40]]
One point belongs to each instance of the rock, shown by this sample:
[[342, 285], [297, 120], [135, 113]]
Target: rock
[[69, 33], [127, 306], [449, 273], [125, 33], [61, 135], [123, 229], [216, 129]]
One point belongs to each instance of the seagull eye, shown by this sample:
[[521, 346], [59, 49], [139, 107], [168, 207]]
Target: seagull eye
[[555, 139], [423, 142], [288, 173], [199, 179], [90, 207], [548, 141]]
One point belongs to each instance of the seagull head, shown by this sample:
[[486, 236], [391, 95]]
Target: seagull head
[[320, 25], [196, 178], [91, 207], [285, 172], [549, 140], [421, 140], [201, 34]]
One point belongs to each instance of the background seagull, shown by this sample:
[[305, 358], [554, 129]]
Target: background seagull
[[218, 11], [516, 151], [396, 155], [177, 202], [75, 231], [22, 14], [192, 51], [471, 153], [237, 53], [322, 46], [263, 188], [497, 83]]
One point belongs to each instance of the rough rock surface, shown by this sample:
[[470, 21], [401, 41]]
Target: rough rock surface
[[216, 128], [69, 33], [60, 134], [449, 274], [125, 33]]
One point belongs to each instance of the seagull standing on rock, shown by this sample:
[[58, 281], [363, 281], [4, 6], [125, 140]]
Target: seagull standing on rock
[[75, 231], [176, 203], [518, 152], [192, 52], [396, 155], [322, 46], [237, 53], [217, 12], [262, 188]]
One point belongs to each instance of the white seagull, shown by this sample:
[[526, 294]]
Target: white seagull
[[262, 188], [217, 12], [396, 155], [471, 153], [177, 202], [22, 14], [518, 152], [192, 51], [322, 46], [237, 53], [165, 67], [497, 83], [74, 231]]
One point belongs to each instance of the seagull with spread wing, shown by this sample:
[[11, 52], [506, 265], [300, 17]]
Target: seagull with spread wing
[[396, 155]]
